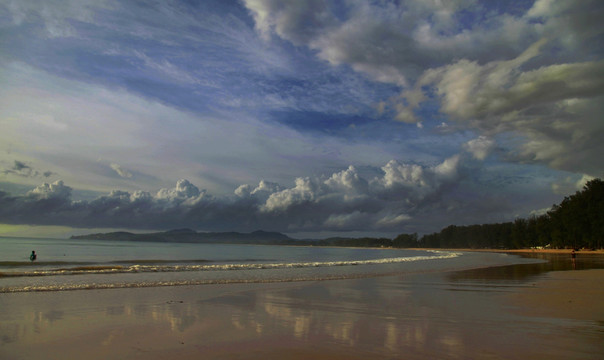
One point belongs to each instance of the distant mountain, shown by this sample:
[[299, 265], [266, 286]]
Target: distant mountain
[[191, 236]]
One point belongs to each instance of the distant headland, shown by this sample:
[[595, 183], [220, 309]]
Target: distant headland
[[192, 236]]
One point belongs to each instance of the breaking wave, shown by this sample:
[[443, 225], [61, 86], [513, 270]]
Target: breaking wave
[[158, 267], [294, 271]]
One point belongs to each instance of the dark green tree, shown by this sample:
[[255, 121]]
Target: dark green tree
[[577, 222]]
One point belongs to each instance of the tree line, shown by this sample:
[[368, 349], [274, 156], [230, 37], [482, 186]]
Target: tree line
[[577, 222]]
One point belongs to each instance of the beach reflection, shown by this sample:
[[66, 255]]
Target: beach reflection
[[430, 315], [369, 315], [384, 316]]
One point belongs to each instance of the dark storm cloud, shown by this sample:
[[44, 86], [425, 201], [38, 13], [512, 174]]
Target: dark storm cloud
[[21, 169], [403, 197]]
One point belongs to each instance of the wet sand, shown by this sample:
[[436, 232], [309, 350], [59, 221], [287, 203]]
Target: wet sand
[[533, 311], [565, 294]]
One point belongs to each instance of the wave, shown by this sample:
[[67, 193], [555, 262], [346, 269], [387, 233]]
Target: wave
[[147, 284], [18, 264], [158, 266], [38, 263], [158, 261]]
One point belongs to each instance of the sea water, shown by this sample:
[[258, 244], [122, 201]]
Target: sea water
[[65, 264]]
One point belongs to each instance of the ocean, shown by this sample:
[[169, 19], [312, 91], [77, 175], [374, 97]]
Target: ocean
[[65, 264]]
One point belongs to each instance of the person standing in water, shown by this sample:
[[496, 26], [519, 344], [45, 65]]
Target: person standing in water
[[33, 256]]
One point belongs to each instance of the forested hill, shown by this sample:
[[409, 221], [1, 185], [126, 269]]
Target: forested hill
[[577, 222], [191, 236], [257, 237]]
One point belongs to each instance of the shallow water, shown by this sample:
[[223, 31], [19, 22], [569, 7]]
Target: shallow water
[[525, 272], [96, 264]]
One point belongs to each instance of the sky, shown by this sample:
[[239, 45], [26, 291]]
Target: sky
[[314, 118]]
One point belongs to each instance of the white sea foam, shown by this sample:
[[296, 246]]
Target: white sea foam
[[161, 274], [137, 268], [75, 265]]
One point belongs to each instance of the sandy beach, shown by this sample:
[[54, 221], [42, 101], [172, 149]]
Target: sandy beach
[[565, 294], [531, 311]]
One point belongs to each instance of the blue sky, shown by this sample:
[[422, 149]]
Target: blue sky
[[311, 117]]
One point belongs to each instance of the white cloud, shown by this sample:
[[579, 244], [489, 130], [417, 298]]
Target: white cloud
[[305, 191], [261, 192], [406, 115], [554, 107], [347, 181], [508, 73], [405, 174], [141, 196], [393, 219], [413, 183], [547, 8], [343, 221], [447, 170], [183, 192], [469, 90], [56, 190], [164, 69], [120, 170], [570, 184], [55, 16], [479, 147], [296, 21], [390, 42]]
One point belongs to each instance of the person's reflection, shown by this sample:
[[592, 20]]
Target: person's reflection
[[573, 258]]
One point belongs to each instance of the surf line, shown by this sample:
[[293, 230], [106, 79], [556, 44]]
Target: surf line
[[91, 270]]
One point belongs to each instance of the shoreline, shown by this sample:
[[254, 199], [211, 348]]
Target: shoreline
[[564, 294], [523, 251]]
